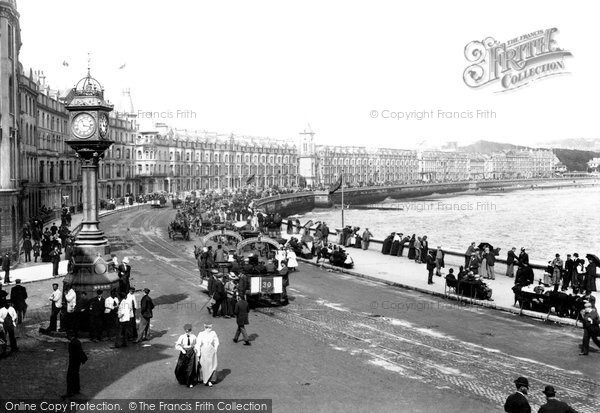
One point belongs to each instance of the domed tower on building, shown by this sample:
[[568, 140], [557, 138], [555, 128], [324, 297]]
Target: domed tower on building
[[307, 157], [10, 193]]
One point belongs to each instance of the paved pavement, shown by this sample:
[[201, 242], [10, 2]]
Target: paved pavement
[[402, 272], [37, 271]]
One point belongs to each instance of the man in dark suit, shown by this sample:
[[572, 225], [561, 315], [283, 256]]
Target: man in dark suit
[[552, 405], [241, 314], [124, 272], [430, 264], [6, 268], [517, 402], [3, 295], [18, 295], [77, 357], [219, 296], [96, 316], [55, 258], [27, 247], [146, 307]]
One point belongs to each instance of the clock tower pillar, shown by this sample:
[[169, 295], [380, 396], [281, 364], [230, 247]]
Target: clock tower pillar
[[88, 128]]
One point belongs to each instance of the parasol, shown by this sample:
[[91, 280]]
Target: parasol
[[240, 224], [484, 245], [593, 258]]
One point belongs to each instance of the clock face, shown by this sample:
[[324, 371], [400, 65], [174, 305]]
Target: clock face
[[84, 125], [103, 125]]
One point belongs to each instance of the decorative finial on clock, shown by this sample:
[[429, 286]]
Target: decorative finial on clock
[[89, 63]]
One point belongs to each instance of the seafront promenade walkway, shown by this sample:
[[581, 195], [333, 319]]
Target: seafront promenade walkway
[[404, 273], [32, 271]]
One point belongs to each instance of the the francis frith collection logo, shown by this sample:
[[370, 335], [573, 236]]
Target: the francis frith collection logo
[[514, 63]]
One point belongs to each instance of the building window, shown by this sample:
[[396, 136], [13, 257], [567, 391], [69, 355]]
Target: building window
[[11, 93], [11, 50]]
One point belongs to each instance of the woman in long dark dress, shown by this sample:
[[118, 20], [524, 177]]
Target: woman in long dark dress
[[589, 281], [412, 252], [290, 228], [424, 248], [387, 244], [186, 370]]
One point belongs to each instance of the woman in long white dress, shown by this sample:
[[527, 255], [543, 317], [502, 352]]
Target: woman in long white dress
[[207, 344], [292, 261]]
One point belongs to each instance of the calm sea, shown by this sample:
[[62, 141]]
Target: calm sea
[[545, 221]]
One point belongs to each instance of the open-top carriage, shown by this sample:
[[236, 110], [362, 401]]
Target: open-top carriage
[[179, 228]]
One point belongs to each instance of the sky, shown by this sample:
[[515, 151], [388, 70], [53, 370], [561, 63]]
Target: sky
[[272, 68]]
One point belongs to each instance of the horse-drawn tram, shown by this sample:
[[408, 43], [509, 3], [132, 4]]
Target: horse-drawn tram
[[245, 262], [179, 228]]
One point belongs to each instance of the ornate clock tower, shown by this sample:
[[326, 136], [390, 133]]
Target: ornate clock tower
[[88, 127]]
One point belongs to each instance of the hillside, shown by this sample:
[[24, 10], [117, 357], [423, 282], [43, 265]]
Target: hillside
[[575, 160], [488, 147]]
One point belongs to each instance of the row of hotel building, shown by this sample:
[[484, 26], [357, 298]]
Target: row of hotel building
[[38, 171]]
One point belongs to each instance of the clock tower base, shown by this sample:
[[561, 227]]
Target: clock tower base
[[90, 267]]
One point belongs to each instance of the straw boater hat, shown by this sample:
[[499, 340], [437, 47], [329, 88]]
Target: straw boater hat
[[233, 277], [126, 260]]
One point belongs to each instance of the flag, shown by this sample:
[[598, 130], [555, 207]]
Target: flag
[[65, 63], [250, 179], [122, 66], [336, 185]]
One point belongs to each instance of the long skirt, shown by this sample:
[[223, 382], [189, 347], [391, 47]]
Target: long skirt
[[365, 244], [395, 247], [387, 245], [412, 253], [358, 242], [186, 369], [208, 362], [483, 270]]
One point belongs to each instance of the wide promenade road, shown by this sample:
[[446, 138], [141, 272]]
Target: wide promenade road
[[343, 343]]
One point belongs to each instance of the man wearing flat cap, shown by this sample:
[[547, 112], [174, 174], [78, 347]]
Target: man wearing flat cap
[[517, 402], [146, 307], [552, 405]]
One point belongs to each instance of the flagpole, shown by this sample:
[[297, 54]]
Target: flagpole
[[343, 201]]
